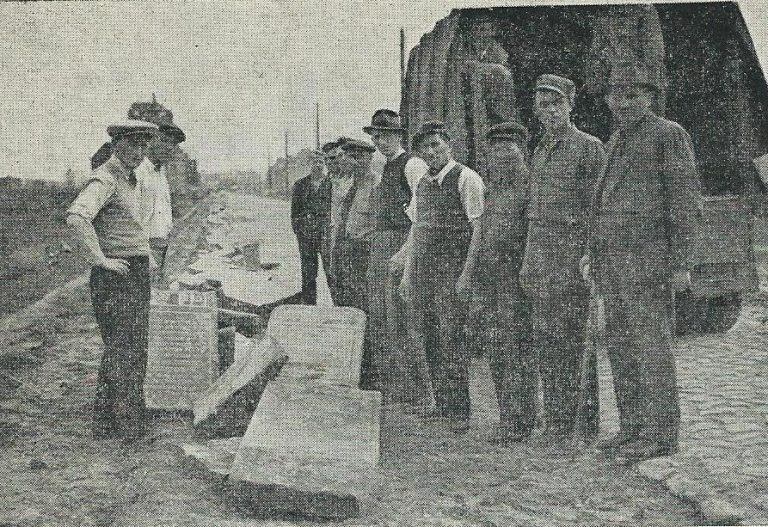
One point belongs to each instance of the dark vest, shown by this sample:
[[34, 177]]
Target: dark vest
[[394, 195], [442, 231]]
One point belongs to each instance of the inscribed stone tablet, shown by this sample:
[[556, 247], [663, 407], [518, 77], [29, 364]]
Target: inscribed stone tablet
[[183, 351], [315, 438], [322, 343]]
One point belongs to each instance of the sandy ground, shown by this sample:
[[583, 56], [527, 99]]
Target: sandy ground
[[55, 474]]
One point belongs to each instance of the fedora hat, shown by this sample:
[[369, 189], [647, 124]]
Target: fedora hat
[[384, 119], [131, 127]]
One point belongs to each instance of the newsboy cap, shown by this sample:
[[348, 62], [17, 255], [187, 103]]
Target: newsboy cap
[[384, 119], [174, 132], [132, 127], [631, 73], [557, 84], [360, 146], [507, 130], [429, 128]]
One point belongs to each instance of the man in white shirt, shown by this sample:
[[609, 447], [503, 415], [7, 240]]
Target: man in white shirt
[[157, 212], [440, 260]]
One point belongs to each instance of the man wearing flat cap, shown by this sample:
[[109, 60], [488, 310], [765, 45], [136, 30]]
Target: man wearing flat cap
[[353, 239], [154, 189], [503, 307], [389, 200], [446, 209], [643, 216], [106, 218], [564, 168]]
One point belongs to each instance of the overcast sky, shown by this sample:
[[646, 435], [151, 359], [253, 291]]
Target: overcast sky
[[235, 74]]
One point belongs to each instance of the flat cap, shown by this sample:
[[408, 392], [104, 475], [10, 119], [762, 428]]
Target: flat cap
[[131, 127], [384, 119], [429, 128], [174, 132], [557, 84], [631, 73], [507, 130], [354, 144]]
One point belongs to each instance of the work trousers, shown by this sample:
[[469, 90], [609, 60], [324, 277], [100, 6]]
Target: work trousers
[[559, 323], [121, 307], [638, 320], [311, 250], [381, 307], [351, 265], [511, 354]]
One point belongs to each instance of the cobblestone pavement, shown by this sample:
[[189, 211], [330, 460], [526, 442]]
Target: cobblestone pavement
[[722, 464]]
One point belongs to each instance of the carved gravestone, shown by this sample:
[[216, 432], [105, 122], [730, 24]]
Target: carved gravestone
[[323, 344], [183, 348], [310, 443]]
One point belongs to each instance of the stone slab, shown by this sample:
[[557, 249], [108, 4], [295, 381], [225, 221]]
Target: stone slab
[[312, 438], [183, 348], [210, 460], [226, 407], [322, 343]]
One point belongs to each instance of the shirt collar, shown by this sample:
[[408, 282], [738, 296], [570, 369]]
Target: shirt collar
[[400, 152], [117, 168], [443, 171]]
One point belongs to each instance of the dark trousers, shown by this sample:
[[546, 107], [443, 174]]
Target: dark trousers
[[121, 307], [350, 267], [638, 340], [310, 248], [559, 323], [511, 355], [384, 245], [440, 318]]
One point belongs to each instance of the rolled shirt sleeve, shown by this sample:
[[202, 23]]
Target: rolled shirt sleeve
[[472, 192], [97, 191]]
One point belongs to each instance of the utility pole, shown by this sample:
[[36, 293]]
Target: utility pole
[[286, 145], [317, 125], [402, 62]]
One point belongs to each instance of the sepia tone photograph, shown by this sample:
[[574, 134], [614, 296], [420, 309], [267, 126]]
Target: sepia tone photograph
[[357, 263]]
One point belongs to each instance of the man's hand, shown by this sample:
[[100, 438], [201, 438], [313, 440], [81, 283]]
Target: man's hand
[[116, 265], [153, 265], [464, 287], [585, 266], [681, 280], [397, 262]]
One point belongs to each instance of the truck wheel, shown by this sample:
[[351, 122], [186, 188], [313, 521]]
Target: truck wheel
[[690, 314], [722, 312]]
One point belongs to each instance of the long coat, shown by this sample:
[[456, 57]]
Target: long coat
[[645, 207]]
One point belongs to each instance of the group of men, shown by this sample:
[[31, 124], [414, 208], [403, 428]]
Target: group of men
[[523, 247], [122, 218]]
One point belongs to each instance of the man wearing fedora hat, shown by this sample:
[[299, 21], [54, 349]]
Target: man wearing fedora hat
[[107, 221], [441, 254], [154, 190], [388, 203], [503, 308], [644, 211], [564, 168]]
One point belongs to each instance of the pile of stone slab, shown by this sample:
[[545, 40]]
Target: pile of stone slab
[[312, 445]]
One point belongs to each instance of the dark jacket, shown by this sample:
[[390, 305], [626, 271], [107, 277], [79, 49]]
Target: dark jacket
[[310, 208]]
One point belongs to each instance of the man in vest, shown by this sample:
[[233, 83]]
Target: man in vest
[[505, 311], [642, 228], [310, 210], [106, 220], [388, 201], [446, 209], [564, 168]]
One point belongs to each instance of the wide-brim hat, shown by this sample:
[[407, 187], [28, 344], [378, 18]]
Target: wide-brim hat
[[385, 120], [631, 73], [509, 130], [132, 127], [429, 128], [176, 134]]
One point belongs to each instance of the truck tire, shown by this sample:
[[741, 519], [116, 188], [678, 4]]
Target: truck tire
[[723, 312]]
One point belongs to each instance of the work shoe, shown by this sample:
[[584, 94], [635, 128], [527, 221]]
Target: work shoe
[[612, 444], [642, 449]]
